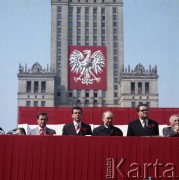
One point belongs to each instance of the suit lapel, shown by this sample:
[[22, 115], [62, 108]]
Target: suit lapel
[[72, 129], [110, 130], [140, 127], [104, 130], [83, 129]]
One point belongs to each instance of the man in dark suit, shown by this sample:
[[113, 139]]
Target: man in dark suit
[[42, 129], [173, 129], [77, 127], [143, 126], [107, 128]]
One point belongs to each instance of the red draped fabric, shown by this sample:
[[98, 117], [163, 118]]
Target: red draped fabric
[[92, 115], [87, 158]]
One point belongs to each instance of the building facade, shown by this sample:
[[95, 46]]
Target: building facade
[[87, 23], [138, 85], [87, 58], [36, 86]]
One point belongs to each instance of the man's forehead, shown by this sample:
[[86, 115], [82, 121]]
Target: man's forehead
[[145, 107], [175, 118], [76, 110], [42, 117], [108, 114]]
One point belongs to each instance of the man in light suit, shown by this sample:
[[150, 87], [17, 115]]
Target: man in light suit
[[41, 129], [173, 129], [143, 126], [77, 127], [107, 128]]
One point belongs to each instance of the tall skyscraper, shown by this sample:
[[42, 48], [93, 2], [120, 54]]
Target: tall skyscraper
[[87, 25], [87, 59]]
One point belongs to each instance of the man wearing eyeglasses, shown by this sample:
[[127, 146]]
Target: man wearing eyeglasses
[[173, 129], [77, 127], [143, 126]]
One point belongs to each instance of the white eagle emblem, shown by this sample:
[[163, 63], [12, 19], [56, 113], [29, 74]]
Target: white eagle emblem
[[88, 67]]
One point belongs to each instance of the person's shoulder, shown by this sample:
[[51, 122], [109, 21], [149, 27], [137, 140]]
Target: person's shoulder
[[153, 121], [68, 124], [167, 128], [85, 124], [116, 128], [134, 121], [50, 129], [34, 131], [34, 128], [100, 127]]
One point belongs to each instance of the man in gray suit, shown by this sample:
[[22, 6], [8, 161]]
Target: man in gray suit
[[41, 129], [173, 129]]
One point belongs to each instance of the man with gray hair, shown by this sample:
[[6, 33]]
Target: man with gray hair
[[107, 128], [173, 129]]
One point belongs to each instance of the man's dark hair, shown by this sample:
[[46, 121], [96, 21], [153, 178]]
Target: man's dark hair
[[77, 108], [139, 105], [42, 114], [22, 130]]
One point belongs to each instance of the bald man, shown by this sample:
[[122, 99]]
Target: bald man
[[107, 128]]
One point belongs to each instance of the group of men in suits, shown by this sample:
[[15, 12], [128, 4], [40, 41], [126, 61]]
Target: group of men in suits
[[143, 126]]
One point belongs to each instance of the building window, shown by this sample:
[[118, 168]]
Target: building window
[[87, 94], [139, 88], [115, 101], [78, 102], [115, 80], [28, 103], [104, 102], [132, 87], [133, 104], [70, 94], [36, 87], [58, 94], [35, 103], [147, 88], [43, 103], [114, 10], [115, 87], [87, 102], [95, 102], [103, 94], [28, 88], [78, 93], [96, 94], [43, 86], [115, 94], [114, 24], [78, 10]]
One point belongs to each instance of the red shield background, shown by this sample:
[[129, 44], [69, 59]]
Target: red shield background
[[95, 85]]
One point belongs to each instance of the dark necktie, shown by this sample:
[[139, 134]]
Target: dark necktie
[[145, 124]]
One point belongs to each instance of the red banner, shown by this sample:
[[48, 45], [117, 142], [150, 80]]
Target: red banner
[[87, 67]]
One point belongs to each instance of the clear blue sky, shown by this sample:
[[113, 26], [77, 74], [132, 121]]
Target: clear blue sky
[[151, 37]]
